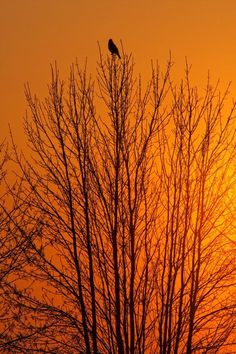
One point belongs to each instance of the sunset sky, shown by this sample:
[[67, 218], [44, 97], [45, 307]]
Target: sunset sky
[[35, 33], [118, 218]]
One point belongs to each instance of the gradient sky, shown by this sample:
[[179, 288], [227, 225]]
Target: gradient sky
[[35, 33]]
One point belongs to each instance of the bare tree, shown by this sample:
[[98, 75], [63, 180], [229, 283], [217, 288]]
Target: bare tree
[[127, 216], [11, 251], [195, 301]]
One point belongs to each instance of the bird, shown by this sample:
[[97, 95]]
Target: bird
[[113, 48]]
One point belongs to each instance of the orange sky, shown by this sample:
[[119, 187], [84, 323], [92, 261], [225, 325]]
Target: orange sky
[[34, 33]]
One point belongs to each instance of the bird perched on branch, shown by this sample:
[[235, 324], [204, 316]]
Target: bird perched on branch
[[113, 48]]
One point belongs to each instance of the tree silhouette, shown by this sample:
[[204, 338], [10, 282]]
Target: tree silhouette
[[12, 249], [127, 216]]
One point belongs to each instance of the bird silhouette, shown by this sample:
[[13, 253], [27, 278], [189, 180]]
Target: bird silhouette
[[113, 48]]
